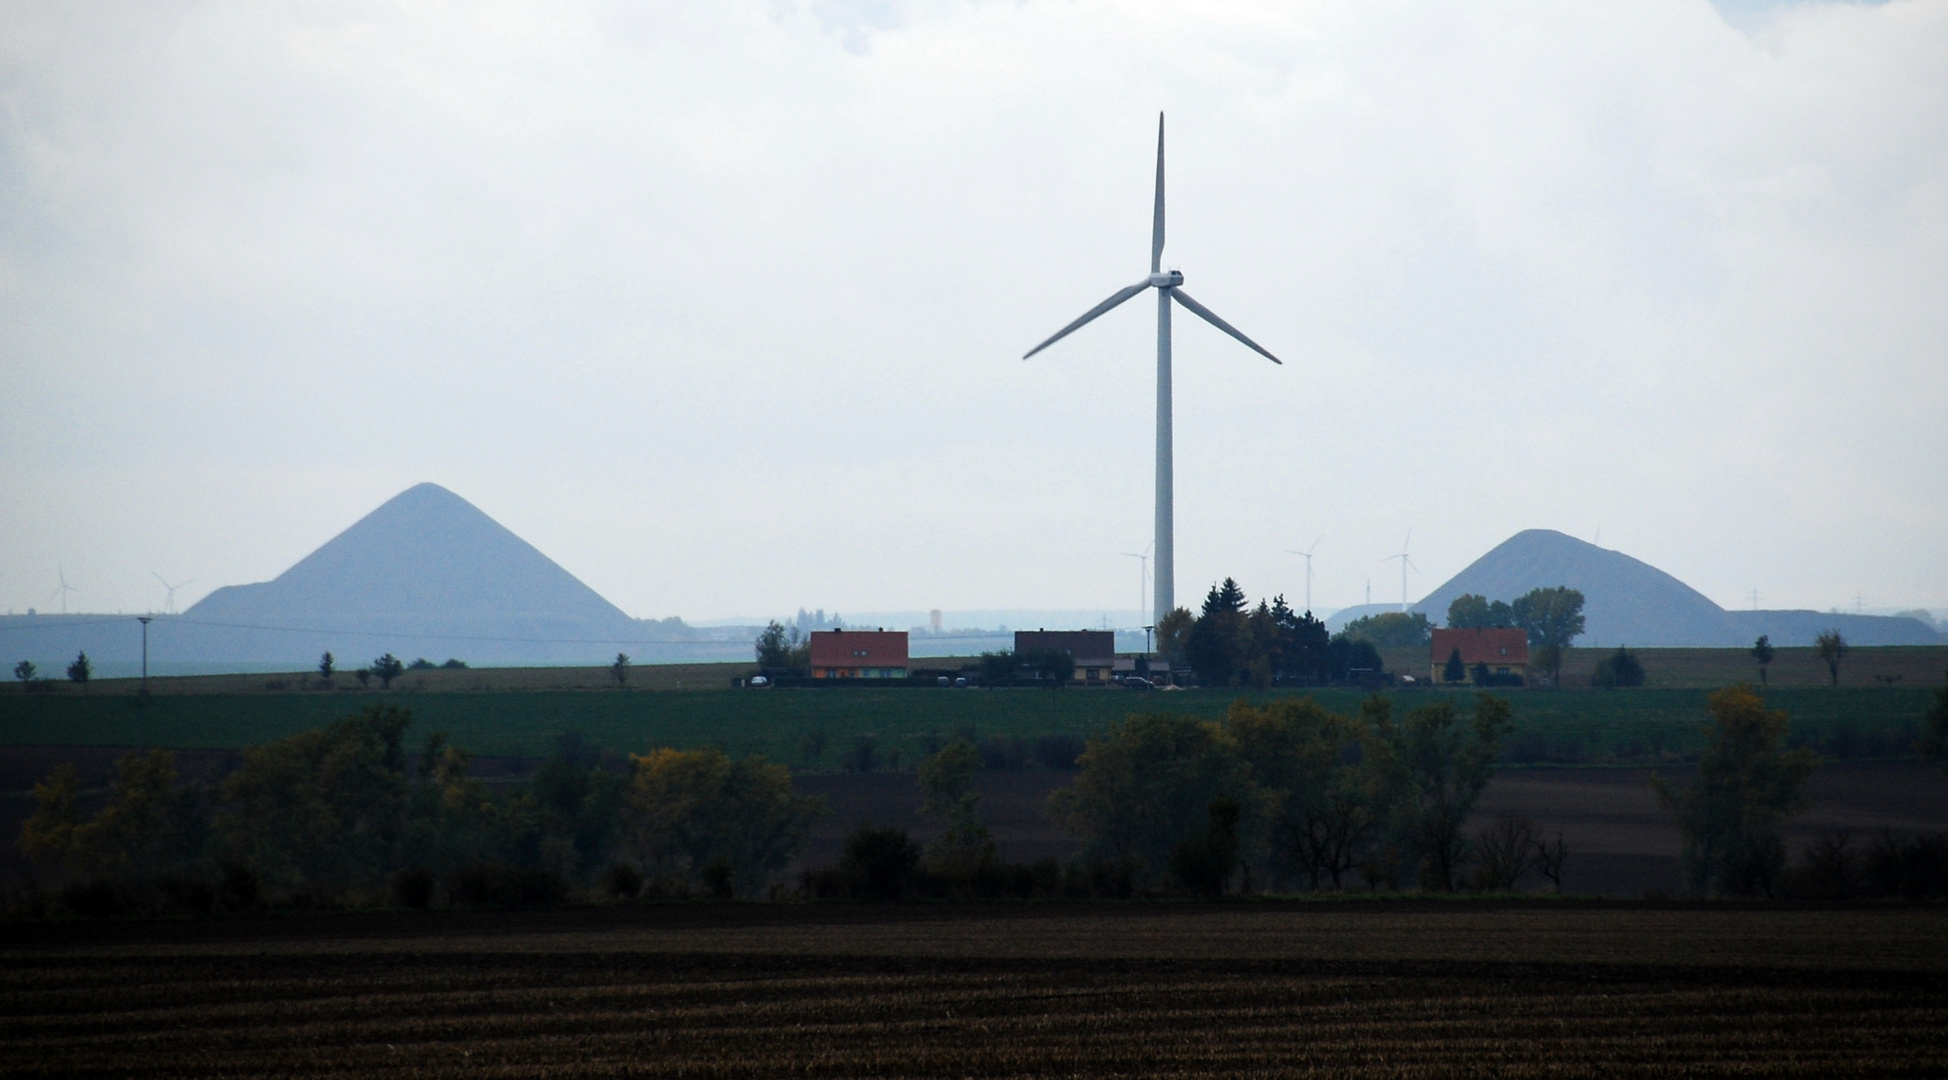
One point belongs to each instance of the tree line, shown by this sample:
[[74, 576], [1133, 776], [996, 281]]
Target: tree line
[[1283, 795]]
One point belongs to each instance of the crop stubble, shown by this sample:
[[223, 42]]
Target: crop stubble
[[1081, 990]]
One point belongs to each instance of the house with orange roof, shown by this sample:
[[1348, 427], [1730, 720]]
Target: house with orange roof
[[859, 654], [1504, 651]]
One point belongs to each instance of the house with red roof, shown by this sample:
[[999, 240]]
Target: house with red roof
[[1505, 651], [858, 654]]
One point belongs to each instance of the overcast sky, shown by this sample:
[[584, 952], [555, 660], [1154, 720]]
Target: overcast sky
[[721, 305]]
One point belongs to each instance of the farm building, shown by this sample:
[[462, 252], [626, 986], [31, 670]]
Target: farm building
[[1094, 651], [1505, 651], [858, 654]]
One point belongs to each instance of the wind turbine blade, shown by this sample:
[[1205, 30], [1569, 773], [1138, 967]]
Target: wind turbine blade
[[1156, 224], [1120, 296], [1210, 316], [1409, 540], [1316, 543]]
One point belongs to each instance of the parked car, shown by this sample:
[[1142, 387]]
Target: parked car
[[759, 680], [1138, 682]]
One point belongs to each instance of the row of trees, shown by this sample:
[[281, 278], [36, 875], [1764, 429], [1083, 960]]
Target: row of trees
[[1284, 794], [345, 812], [1231, 643], [1308, 796]]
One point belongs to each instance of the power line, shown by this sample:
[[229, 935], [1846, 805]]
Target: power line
[[412, 634]]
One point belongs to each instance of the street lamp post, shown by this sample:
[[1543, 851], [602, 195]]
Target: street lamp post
[[144, 620]]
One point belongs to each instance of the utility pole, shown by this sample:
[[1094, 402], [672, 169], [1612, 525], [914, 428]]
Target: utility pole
[[144, 620]]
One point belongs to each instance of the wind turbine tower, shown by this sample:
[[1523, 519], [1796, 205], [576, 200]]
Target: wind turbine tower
[[1169, 288], [1405, 562], [1307, 556]]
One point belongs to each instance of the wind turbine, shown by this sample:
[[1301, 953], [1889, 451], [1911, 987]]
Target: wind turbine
[[63, 590], [1142, 571], [169, 606], [1307, 556], [1405, 562], [1168, 286]]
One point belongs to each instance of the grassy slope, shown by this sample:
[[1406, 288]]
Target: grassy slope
[[1631, 725]]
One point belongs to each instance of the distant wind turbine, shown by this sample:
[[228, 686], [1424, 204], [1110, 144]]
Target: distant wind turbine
[[1142, 572], [169, 605], [63, 590], [1307, 556], [1405, 562], [1164, 597]]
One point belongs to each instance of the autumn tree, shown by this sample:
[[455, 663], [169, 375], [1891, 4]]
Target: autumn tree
[[965, 847], [1391, 629], [1445, 761], [1471, 611], [1325, 783], [686, 808], [1831, 648], [151, 829], [322, 809], [1146, 784], [1552, 618], [1747, 784]]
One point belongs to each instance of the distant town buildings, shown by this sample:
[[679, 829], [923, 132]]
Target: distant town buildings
[[859, 654], [1505, 652]]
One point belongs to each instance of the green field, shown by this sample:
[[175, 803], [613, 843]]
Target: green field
[[1552, 727]]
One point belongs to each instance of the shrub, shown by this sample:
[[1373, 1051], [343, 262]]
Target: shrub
[[411, 887], [1058, 752], [622, 881], [863, 756], [1002, 753], [510, 888], [878, 864], [1204, 864], [1830, 868], [1618, 669], [1916, 868]]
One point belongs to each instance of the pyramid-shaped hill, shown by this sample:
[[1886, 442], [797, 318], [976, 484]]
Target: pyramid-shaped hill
[[1629, 602], [432, 571], [1625, 600]]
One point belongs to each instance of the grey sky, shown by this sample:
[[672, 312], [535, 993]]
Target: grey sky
[[720, 304]]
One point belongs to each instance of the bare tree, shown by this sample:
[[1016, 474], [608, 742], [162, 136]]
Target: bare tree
[[1505, 852], [1549, 859]]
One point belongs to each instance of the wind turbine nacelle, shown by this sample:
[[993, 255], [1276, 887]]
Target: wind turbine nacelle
[[1165, 281]]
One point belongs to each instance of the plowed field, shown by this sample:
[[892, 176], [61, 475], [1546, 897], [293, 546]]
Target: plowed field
[[1030, 990]]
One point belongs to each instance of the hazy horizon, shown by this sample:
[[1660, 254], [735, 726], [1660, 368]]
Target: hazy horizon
[[721, 307]]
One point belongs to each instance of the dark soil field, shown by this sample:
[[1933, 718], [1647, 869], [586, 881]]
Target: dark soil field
[[1132, 989]]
